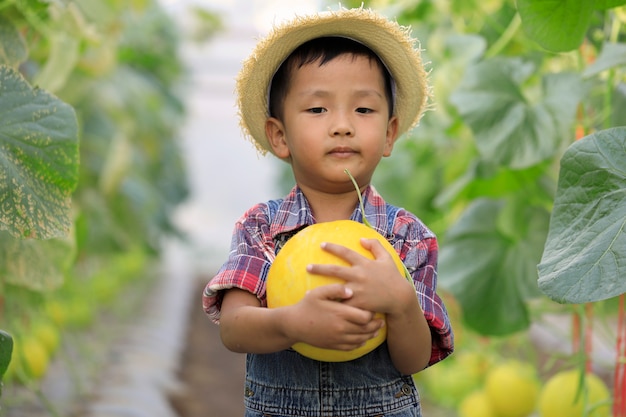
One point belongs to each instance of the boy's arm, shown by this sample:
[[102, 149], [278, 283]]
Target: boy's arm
[[408, 334], [319, 319], [246, 327]]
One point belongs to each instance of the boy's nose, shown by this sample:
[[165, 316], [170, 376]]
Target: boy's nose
[[342, 127], [342, 131]]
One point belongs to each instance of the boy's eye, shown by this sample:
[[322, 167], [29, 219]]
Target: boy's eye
[[364, 110], [317, 110]]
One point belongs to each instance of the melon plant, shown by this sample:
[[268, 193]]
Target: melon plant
[[74, 77], [572, 394], [512, 388]]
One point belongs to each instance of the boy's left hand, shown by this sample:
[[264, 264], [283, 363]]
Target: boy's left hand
[[377, 284]]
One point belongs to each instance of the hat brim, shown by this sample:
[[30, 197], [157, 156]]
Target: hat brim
[[390, 41]]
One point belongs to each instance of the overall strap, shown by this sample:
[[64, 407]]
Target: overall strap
[[272, 208], [392, 213], [281, 239]]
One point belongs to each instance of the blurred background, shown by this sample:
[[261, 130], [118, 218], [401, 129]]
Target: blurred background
[[226, 174], [124, 170]]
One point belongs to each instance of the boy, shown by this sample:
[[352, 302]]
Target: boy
[[328, 93]]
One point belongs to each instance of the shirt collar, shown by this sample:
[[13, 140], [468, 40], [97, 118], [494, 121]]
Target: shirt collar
[[295, 213]]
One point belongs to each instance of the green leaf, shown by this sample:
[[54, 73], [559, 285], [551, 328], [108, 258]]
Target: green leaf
[[608, 4], [611, 56], [508, 128], [486, 179], [39, 265], [6, 349], [451, 56], [13, 50], [584, 259], [38, 159], [488, 262], [557, 25]]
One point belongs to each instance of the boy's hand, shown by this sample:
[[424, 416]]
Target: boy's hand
[[376, 284], [323, 319]]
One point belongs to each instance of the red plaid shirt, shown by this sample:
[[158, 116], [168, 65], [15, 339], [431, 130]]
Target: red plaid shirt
[[265, 227]]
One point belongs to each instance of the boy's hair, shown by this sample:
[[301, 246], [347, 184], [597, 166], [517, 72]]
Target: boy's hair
[[322, 50]]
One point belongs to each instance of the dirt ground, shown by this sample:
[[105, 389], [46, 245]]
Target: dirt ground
[[212, 376]]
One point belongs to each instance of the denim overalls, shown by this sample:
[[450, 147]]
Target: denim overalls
[[287, 384]]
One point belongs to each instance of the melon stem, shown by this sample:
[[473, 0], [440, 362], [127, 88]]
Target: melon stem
[[407, 275]]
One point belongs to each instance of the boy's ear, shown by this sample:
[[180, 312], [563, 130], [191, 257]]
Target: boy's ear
[[275, 132], [392, 135]]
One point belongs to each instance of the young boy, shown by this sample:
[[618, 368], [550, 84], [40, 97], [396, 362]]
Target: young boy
[[328, 93]]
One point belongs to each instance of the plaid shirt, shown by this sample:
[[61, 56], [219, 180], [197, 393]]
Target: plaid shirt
[[263, 229]]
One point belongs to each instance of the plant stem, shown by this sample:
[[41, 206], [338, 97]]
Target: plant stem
[[588, 336], [505, 38], [407, 275], [358, 192], [619, 379], [613, 30]]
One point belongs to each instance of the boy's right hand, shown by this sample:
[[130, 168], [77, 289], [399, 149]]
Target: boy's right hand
[[321, 319]]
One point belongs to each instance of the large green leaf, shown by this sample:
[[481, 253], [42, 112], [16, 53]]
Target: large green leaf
[[557, 25], [608, 4], [6, 349], [585, 254], [488, 262], [38, 159], [13, 50], [510, 129], [560, 25]]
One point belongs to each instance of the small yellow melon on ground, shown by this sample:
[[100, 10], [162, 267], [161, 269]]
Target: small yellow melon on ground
[[288, 280], [35, 357], [29, 361], [560, 396], [513, 388], [476, 404]]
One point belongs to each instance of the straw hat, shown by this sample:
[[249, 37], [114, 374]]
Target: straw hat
[[390, 41]]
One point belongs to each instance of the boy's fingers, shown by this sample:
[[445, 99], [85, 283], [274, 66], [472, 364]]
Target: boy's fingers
[[343, 252], [375, 247], [334, 292], [329, 270]]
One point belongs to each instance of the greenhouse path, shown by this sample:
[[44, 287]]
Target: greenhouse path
[[140, 380]]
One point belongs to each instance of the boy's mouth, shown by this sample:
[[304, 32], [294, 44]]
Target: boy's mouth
[[342, 151]]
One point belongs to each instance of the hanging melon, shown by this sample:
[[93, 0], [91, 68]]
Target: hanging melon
[[288, 280]]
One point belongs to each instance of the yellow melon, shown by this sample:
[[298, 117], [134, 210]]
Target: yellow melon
[[288, 280], [563, 396]]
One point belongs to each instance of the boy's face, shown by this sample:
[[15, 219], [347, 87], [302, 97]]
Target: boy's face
[[336, 117]]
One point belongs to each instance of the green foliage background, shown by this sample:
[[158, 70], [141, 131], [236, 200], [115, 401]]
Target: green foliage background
[[90, 165], [522, 212]]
